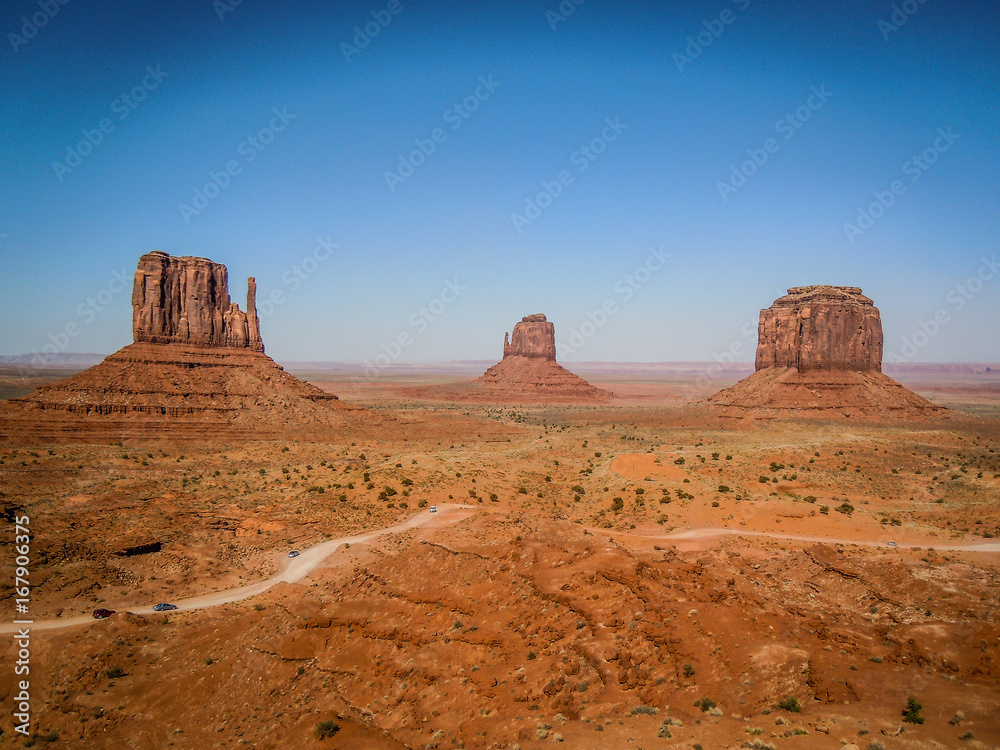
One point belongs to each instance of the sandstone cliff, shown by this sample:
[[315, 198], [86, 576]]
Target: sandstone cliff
[[529, 371], [186, 301], [821, 327], [819, 354], [534, 336]]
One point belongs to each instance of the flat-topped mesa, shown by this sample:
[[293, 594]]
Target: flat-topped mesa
[[186, 301], [821, 328], [533, 337]]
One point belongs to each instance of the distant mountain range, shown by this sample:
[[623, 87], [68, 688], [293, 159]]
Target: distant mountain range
[[81, 360]]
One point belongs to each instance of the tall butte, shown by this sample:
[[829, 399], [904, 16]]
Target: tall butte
[[529, 371], [819, 353], [197, 369]]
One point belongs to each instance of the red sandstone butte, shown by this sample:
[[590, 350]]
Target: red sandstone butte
[[529, 371], [819, 353], [197, 369], [186, 301]]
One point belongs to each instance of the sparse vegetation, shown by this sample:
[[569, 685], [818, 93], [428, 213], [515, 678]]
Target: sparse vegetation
[[327, 729], [911, 714]]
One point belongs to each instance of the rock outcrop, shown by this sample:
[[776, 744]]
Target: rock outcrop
[[823, 328], [197, 369], [186, 301], [819, 353], [534, 337], [529, 371]]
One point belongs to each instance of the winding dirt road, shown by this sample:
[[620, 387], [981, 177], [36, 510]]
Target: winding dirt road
[[448, 514], [292, 569]]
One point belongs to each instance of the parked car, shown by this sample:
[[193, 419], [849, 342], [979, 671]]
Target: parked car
[[294, 553], [164, 607], [893, 544], [434, 509], [100, 614]]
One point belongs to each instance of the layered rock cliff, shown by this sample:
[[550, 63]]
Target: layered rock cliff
[[186, 301], [819, 354], [529, 371], [534, 336], [823, 328]]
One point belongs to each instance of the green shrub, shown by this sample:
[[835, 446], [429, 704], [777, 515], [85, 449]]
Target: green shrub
[[326, 729], [911, 714], [705, 704], [643, 709], [114, 673], [790, 704]]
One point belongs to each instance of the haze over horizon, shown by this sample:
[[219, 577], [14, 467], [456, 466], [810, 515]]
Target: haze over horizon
[[441, 171]]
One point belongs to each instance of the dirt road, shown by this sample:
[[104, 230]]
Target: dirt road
[[292, 569], [295, 569]]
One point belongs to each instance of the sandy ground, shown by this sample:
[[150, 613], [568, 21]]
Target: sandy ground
[[592, 572]]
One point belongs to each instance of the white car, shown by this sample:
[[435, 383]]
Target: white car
[[294, 553], [434, 509], [893, 544]]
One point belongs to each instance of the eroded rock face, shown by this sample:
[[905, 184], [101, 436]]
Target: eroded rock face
[[823, 328], [533, 337], [186, 301]]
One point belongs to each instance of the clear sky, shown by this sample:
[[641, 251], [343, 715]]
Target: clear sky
[[446, 168]]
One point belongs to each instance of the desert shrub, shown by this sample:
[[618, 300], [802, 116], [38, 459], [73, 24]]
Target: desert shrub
[[406, 482], [968, 736], [810, 498], [665, 733], [824, 509], [644, 709], [617, 504], [705, 704], [679, 461], [911, 714], [326, 729], [754, 730], [875, 746], [790, 704], [957, 719], [724, 488], [522, 491], [763, 479], [845, 508], [688, 670]]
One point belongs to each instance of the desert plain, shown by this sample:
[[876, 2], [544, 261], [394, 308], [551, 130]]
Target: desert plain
[[632, 573]]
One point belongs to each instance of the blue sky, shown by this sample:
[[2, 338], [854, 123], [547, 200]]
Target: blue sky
[[744, 139]]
